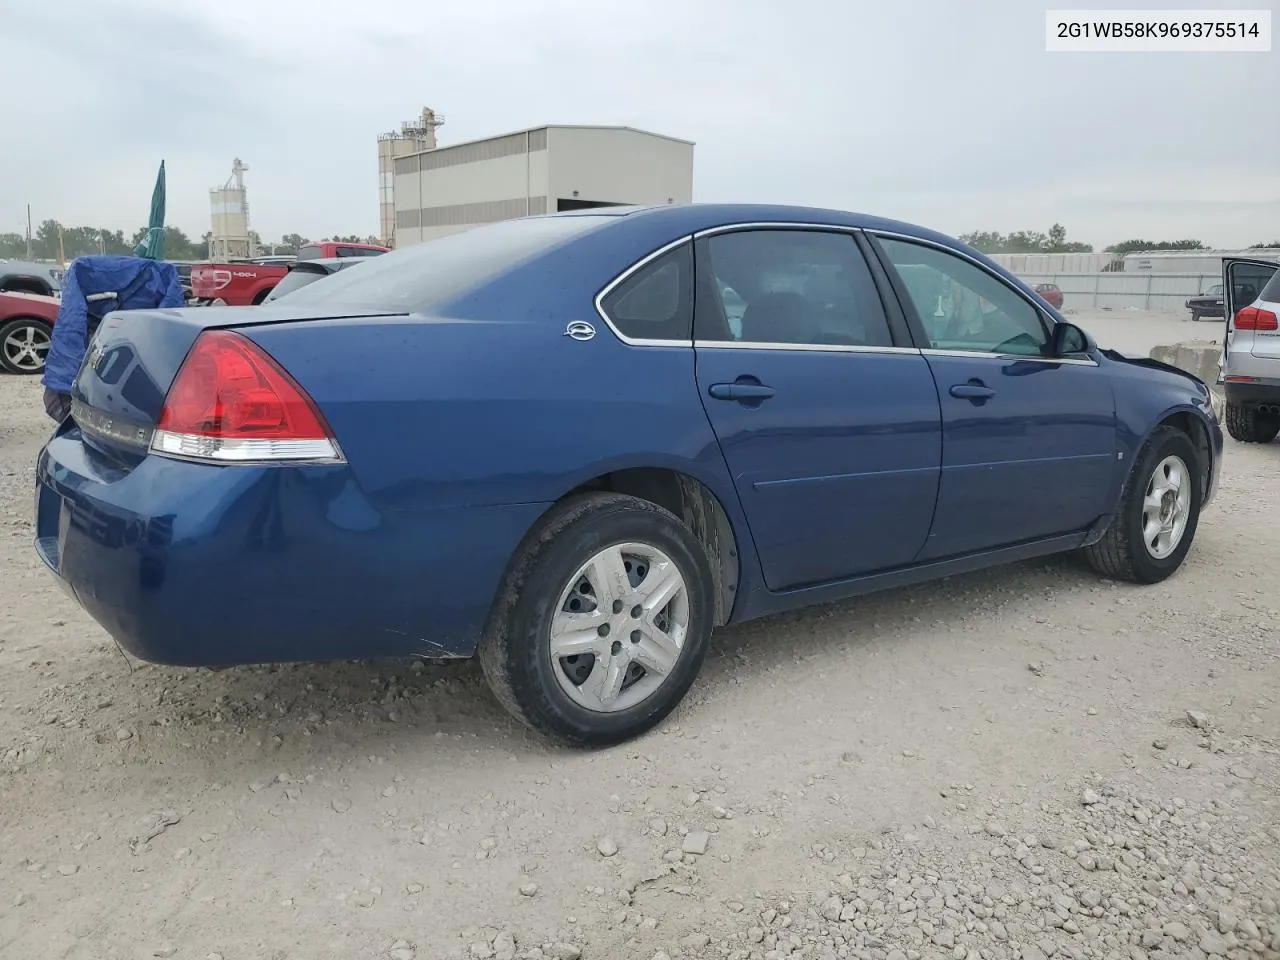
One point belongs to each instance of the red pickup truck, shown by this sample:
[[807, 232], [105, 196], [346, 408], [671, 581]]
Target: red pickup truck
[[247, 283]]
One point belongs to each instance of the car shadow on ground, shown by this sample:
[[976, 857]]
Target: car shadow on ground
[[357, 709]]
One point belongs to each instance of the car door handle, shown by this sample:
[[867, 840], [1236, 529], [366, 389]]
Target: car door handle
[[973, 390], [740, 391]]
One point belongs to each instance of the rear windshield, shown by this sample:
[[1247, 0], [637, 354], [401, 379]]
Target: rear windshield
[[419, 276], [296, 279]]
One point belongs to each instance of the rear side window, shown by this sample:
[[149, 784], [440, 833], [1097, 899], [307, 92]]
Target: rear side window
[[310, 252], [1271, 292], [420, 276], [792, 287], [655, 302]]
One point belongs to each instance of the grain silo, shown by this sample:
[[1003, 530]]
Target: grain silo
[[414, 136], [229, 208]]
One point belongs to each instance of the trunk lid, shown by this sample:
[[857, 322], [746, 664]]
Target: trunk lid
[[134, 357]]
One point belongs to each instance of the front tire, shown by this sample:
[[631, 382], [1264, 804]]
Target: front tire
[[1247, 425], [1159, 511], [24, 345], [603, 622]]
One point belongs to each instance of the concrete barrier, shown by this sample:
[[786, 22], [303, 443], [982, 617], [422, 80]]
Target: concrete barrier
[[1198, 357]]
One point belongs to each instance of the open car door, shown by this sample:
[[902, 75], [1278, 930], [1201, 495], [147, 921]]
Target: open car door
[[1242, 281]]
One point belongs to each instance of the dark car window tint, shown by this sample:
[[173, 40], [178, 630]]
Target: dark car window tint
[[1248, 281], [655, 302], [794, 287], [964, 307], [419, 276], [310, 252]]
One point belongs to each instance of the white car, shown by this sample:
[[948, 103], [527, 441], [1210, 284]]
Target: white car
[[1251, 357]]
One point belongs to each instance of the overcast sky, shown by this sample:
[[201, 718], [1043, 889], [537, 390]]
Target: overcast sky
[[942, 113]]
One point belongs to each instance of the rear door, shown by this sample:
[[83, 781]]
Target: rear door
[[1243, 282], [826, 415], [1029, 440]]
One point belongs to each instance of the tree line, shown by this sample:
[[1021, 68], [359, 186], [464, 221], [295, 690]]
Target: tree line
[[83, 241], [53, 241], [1055, 241]]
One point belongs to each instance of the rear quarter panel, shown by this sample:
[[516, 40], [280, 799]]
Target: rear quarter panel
[[436, 413]]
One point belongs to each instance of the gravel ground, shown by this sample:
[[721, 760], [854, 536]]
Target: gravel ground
[[1024, 763]]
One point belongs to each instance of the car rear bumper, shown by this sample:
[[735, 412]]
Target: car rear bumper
[[1256, 392], [196, 565]]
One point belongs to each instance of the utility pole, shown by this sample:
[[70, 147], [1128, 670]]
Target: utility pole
[[28, 232]]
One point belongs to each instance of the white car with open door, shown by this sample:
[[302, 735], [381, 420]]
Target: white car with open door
[[1251, 354]]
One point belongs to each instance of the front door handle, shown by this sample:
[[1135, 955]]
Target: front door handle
[[740, 390], [973, 390]]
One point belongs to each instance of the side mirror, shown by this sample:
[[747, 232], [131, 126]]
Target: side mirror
[[1068, 339]]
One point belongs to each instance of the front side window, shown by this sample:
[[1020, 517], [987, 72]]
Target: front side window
[[800, 287], [962, 306], [655, 302]]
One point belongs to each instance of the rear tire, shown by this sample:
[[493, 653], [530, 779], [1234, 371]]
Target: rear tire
[[1129, 550], [24, 345], [608, 692], [1247, 425]]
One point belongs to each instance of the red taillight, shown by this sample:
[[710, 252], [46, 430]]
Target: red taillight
[[232, 402], [1255, 318]]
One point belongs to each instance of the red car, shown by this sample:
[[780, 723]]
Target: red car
[[249, 282], [26, 326], [1051, 294]]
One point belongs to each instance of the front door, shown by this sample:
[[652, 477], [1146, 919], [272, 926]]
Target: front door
[[1029, 440], [829, 424]]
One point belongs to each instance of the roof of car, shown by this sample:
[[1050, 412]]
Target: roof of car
[[703, 216]]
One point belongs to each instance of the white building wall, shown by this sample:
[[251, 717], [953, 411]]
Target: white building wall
[[618, 166], [450, 189], [407, 196]]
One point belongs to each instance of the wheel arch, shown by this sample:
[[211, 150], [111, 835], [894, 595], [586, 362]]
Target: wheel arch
[[27, 318], [701, 510], [677, 491], [1190, 421], [24, 283]]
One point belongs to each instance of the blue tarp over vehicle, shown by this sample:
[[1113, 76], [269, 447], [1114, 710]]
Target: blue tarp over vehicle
[[138, 284]]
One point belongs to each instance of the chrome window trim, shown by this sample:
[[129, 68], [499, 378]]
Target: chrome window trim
[[803, 347], [622, 278], [807, 347], [777, 224], [1009, 357]]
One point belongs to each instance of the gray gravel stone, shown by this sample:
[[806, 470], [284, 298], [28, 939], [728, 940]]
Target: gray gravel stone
[[695, 842]]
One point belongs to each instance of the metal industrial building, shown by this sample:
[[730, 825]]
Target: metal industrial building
[[541, 170]]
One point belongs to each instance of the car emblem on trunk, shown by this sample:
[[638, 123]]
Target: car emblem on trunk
[[580, 330]]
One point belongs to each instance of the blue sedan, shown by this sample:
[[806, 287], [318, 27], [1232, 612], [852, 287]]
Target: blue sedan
[[574, 445]]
